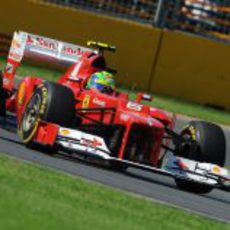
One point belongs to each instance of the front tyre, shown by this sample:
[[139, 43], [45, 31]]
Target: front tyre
[[31, 117], [50, 102], [208, 145]]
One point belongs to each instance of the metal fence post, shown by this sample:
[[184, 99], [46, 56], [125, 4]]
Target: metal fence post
[[157, 16]]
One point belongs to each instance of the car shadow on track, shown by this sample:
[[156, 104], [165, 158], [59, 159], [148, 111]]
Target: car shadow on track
[[8, 123], [11, 140], [106, 167], [135, 175]]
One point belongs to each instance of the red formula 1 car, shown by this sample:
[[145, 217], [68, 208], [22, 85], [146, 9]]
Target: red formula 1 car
[[65, 116]]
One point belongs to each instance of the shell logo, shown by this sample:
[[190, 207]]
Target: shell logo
[[65, 132], [21, 93], [216, 169]]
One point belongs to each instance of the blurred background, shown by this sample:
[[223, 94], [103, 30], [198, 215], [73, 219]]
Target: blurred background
[[209, 18]]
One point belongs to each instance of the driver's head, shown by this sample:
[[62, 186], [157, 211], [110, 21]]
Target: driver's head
[[102, 81]]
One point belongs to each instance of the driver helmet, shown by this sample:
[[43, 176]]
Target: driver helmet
[[102, 81]]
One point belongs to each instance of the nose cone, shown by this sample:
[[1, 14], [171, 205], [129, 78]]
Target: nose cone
[[138, 114]]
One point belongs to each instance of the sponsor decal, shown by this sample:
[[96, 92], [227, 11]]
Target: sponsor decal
[[65, 132], [24, 43], [97, 101], [216, 169], [16, 44], [134, 106], [15, 56], [17, 47], [71, 50], [91, 143], [21, 93], [42, 42], [86, 101]]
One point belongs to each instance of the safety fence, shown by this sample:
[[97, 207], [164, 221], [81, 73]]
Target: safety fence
[[208, 18], [139, 10]]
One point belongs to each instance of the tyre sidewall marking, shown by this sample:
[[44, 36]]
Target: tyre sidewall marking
[[44, 100], [26, 138], [192, 132]]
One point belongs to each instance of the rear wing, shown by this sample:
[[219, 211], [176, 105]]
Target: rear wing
[[42, 50], [45, 49]]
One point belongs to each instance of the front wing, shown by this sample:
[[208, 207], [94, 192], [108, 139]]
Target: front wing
[[79, 142]]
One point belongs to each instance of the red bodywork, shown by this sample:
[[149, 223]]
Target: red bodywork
[[144, 126]]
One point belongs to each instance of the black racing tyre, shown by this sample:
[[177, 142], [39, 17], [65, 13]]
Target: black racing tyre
[[50, 102], [210, 147], [2, 97]]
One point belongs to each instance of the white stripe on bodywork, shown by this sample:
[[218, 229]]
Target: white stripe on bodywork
[[82, 141]]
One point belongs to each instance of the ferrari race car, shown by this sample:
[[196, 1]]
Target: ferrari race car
[[66, 116]]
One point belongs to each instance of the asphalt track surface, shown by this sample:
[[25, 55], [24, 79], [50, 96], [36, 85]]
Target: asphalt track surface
[[156, 187]]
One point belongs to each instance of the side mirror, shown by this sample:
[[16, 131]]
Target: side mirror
[[143, 97]]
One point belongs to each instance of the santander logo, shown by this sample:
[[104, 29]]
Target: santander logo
[[42, 42]]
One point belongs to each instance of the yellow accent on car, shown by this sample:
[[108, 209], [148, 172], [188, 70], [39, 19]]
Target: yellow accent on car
[[65, 132], [30, 137], [86, 101], [101, 45], [21, 93], [216, 169], [193, 132]]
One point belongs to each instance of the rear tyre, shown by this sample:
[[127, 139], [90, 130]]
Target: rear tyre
[[209, 145], [2, 98], [50, 102]]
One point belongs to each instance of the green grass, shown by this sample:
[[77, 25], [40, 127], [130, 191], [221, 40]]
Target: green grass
[[34, 197], [31, 70], [166, 103]]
